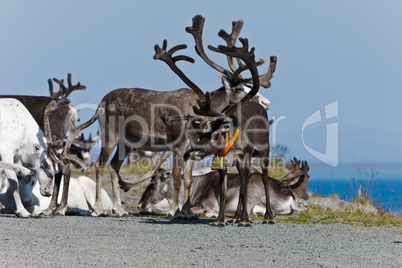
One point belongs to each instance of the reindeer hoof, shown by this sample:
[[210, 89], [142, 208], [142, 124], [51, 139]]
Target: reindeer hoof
[[192, 218], [179, 216], [218, 224], [244, 224], [268, 222], [23, 216]]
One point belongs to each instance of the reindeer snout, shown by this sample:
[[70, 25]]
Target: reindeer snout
[[46, 191], [196, 155]]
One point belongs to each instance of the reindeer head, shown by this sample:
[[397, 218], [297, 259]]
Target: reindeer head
[[44, 169], [157, 189], [64, 158]]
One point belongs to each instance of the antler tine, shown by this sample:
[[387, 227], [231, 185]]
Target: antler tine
[[249, 59], [265, 78], [67, 91], [72, 87], [231, 40], [166, 56], [196, 31], [57, 94], [52, 93]]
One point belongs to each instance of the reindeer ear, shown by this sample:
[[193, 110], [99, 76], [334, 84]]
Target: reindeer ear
[[225, 82], [271, 121], [225, 127]]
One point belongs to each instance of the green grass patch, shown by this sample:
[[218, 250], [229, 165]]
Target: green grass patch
[[318, 215]]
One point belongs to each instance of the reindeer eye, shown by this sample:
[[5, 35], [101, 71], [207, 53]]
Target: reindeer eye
[[196, 123], [215, 136], [239, 89]]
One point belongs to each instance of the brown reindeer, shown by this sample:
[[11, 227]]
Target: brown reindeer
[[248, 126], [132, 117]]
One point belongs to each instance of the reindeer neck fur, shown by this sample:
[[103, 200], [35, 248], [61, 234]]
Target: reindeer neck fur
[[248, 142]]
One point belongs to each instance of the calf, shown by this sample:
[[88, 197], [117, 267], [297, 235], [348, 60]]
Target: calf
[[22, 140], [204, 195]]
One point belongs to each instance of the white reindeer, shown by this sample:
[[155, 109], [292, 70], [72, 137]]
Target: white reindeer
[[22, 141], [81, 198]]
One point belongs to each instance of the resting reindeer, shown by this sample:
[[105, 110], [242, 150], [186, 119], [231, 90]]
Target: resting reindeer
[[286, 197], [133, 119], [23, 141], [61, 121], [81, 196]]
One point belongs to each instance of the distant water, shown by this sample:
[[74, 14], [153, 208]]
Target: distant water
[[384, 186]]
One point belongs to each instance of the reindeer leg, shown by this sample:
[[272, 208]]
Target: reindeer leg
[[237, 215], [188, 176], [53, 203], [13, 180], [106, 151], [269, 216], [174, 212], [244, 170], [117, 207], [220, 220], [61, 210]]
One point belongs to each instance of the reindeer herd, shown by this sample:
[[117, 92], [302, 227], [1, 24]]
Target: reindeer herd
[[39, 139]]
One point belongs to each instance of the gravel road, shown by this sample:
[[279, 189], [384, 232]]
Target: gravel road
[[73, 241]]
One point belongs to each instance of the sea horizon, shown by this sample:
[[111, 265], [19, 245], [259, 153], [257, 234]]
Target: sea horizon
[[383, 182]]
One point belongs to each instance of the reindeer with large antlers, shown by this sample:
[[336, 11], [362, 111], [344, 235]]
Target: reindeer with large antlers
[[132, 119], [64, 158], [245, 122], [61, 121]]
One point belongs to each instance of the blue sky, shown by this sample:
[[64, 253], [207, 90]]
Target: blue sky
[[343, 52]]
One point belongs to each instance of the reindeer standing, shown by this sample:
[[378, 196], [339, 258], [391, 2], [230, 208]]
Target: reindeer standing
[[132, 117], [208, 131], [60, 122]]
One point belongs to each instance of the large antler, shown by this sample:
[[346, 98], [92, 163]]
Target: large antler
[[231, 40], [296, 171], [63, 90], [196, 31], [265, 78], [74, 132], [64, 158], [249, 59], [234, 76], [166, 56]]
